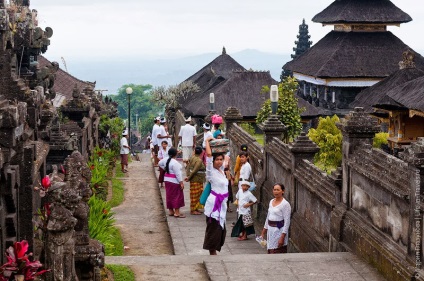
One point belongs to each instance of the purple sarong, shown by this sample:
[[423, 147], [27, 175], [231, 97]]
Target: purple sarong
[[174, 195]]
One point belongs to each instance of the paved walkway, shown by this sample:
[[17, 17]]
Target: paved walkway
[[238, 260]]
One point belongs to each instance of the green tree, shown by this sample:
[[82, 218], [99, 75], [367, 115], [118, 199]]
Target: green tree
[[287, 107], [173, 97], [142, 103], [329, 139]]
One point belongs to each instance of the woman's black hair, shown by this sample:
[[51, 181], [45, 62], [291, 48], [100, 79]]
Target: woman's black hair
[[243, 153], [198, 150], [172, 152], [281, 185], [216, 126], [215, 155]]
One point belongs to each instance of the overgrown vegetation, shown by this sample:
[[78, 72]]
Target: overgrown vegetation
[[380, 139], [287, 108], [102, 163], [101, 226], [113, 126], [329, 139], [121, 272]]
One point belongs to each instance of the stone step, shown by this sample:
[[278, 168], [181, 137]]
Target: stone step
[[292, 266]]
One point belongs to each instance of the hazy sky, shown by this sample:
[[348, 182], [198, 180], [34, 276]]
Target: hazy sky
[[99, 29]]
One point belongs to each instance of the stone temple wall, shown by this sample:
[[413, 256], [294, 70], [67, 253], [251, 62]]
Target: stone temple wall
[[371, 206]]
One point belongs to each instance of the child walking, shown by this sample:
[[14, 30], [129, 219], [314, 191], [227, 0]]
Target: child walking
[[244, 225], [162, 154]]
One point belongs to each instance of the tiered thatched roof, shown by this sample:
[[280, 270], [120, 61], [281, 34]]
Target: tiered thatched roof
[[65, 82], [409, 95], [362, 11], [353, 55], [242, 90], [216, 71], [370, 96]]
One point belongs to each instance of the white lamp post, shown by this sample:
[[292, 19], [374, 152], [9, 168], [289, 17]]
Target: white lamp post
[[129, 91], [273, 95], [212, 101]]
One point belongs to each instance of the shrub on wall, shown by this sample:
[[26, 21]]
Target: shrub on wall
[[380, 139], [329, 139], [287, 107]]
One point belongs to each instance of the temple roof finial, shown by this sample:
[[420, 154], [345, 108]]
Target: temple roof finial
[[224, 52], [407, 60]]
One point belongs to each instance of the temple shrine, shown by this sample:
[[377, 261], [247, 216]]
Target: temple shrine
[[356, 54]]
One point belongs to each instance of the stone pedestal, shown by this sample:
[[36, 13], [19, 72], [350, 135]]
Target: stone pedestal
[[414, 156], [272, 127], [358, 128], [232, 116]]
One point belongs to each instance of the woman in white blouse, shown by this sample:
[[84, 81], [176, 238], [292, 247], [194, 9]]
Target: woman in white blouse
[[216, 204], [246, 169], [277, 222], [174, 184]]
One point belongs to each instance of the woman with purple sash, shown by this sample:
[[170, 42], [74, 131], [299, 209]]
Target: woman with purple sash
[[276, 228], [216, 204], [174, 184]]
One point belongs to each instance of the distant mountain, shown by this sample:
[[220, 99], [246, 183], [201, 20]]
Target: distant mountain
[[112, 73]]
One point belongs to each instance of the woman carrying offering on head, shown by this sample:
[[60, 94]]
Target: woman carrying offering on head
[[216, 204], [277, 222], [174, 184], [196, 176]]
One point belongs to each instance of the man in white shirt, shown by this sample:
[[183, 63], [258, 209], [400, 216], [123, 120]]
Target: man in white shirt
[[206, 134], [155, 132], [125, 150], [163, 134], [187, 138]]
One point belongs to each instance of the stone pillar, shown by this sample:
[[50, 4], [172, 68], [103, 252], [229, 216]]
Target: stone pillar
[[272, 127], [231, 116], [302, 148], [358, 128], [414, 156]]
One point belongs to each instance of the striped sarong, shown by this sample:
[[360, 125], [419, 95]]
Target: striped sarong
[[196, 189]]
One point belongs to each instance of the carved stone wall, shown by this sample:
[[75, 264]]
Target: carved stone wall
[[371, 206]]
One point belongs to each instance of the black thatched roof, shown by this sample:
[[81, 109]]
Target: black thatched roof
[[222, 66], [64, 82], [241, 90], [353, 55], [408, 95], [310, 110], [362, 11], [370, 96]]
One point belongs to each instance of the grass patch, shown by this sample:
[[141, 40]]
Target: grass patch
[[121, 272], [259, 138], [117, 193], [118, 171], [117, 247]]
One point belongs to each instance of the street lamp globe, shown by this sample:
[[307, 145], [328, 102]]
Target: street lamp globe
[[129, 90]]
